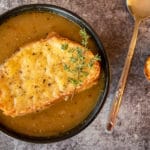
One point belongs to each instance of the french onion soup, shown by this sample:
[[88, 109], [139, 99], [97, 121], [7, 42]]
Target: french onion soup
[[50, 74]]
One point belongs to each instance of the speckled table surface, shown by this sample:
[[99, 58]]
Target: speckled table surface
[[114, 26]]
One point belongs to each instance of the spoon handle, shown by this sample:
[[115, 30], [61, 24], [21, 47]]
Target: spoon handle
[[122, 82]]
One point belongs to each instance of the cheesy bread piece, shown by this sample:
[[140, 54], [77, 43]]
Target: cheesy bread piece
[[43, 72]]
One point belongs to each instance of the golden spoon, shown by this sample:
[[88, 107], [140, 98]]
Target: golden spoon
[[140, 10]]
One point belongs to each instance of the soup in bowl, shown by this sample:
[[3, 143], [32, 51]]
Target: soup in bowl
[[67, 117]]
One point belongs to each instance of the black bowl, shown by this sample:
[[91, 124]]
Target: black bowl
[[105, 65]]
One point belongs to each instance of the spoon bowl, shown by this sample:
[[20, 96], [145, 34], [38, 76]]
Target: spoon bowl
[[139, 9]]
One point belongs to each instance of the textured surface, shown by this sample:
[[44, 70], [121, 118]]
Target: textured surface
[[114, 25]]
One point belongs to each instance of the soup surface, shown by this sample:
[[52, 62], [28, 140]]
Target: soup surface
[[64, 115]]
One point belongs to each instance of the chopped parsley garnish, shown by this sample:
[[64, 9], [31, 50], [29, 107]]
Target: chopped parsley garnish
[[84, 73], [97, 57], [73, 59], [66, 67], [79, 52], [74, 81], [71, 50], [90, 64], [93, 60], [64, 46]]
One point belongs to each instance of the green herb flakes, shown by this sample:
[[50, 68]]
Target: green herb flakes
[[77, 68], [79, 51], [66, 67], [85, 37], [64, 46], [73, 59], [74, 81], [90, 64], [84, 73], [97, 57]]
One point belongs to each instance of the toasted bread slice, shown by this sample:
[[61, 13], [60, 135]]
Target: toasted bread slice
[[43, 72]]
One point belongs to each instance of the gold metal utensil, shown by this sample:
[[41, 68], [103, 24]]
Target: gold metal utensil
[[140, 10]]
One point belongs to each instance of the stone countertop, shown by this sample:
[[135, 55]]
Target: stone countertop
[[114, 26]]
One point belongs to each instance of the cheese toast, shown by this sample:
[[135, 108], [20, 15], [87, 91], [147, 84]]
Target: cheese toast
[[43, 72]]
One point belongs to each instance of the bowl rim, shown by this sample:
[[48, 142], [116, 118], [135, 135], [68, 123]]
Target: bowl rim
[[101, 99]]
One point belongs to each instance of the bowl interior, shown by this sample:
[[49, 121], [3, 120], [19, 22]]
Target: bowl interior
[[76, 19]]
